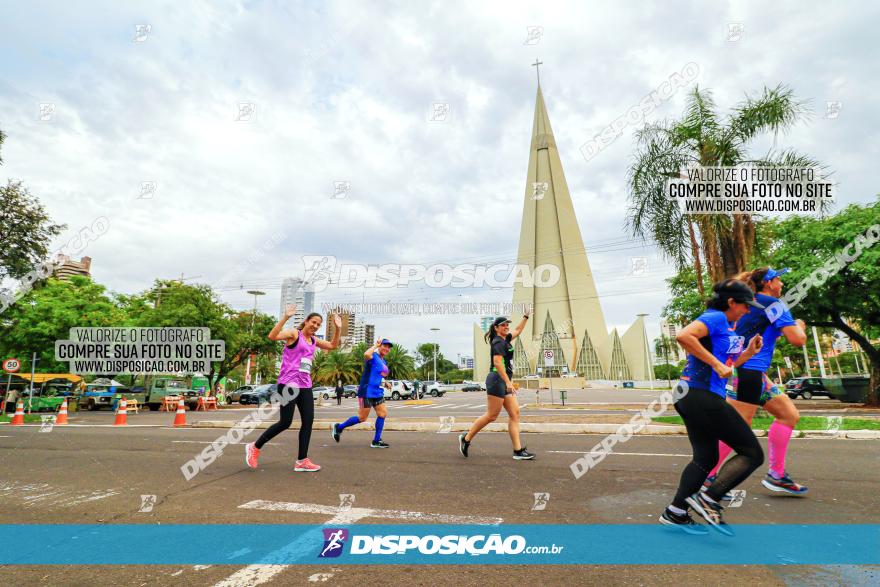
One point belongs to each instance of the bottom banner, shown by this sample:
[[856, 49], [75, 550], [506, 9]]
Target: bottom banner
[[137, 544]]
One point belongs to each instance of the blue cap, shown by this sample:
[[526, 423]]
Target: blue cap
[[774, 273], [385, 341]]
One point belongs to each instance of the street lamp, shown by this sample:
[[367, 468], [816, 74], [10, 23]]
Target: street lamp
[[435, 353], [255, 293]]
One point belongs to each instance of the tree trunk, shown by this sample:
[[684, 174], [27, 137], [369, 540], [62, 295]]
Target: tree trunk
[[873, 396], [695, 251]]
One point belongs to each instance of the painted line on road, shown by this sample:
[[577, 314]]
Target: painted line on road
[[632, 454], [258, 574]]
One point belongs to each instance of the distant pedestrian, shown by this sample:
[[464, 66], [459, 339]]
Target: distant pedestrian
[[339, 390]]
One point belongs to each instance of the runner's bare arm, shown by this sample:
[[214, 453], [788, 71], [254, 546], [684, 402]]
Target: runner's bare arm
[[519, 327], [797, 334], [329, 346], [278, 332], [369, 353]]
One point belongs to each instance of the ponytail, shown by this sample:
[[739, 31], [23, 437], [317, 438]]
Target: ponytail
[[491, 334]]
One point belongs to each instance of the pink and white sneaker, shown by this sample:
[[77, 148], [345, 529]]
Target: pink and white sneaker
[[251, 455], [306, 465]]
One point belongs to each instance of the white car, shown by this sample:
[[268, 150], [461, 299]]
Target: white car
[[434, 388], [396, 389]]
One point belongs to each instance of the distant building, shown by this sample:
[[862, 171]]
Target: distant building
[[67, 267], [370, 333], [465, 362], [358, 334], [670, 330], [296, 291], [347, 330], [486, 322]]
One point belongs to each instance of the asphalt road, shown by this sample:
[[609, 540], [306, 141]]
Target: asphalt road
[[98, 475]]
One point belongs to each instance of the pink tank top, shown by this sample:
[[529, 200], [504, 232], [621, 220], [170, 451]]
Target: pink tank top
[[296, 363]]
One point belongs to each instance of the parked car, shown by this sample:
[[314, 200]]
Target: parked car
[[434, 388], [349, 390], [235, 396], [324, 392], [259, 395], [806, 387], [473, 386], [399, 389]]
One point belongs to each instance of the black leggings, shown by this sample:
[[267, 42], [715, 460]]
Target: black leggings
[[306, 403], [708, 419]]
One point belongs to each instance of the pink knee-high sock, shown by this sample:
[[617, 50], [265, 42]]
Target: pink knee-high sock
[[723, 451], [777, 439]]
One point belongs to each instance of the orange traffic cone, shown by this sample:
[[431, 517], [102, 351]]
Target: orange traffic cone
[[62, 414], [180, 417], [121, 414], [18, 418]]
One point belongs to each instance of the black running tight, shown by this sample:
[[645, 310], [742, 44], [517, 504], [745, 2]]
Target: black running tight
[[708, 419], [306, 404]]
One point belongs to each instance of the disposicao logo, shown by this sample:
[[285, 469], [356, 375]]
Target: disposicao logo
[[334, 541]]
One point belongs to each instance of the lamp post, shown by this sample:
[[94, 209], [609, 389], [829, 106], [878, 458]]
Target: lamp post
[[255, 293], [435, 352], [648, 351]]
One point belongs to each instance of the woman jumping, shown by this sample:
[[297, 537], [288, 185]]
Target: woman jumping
[[751, 386], [499, 390], [713, 348], [371, 393], [300, 345]]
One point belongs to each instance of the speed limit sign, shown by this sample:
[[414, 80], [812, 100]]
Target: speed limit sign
[[11, 365], [548, 357]]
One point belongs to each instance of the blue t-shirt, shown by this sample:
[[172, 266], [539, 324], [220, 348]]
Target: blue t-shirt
[[375, 370], [723, 342], [757, 321]]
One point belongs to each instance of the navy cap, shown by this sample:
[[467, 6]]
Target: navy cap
[[387, 342], [499, 321], [774, 273], [739, 291]]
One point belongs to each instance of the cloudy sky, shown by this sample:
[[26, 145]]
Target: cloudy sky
[[243, 115]]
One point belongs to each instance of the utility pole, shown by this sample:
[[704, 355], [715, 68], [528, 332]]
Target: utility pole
[[255, 293], [436, 345], [819, 352], [650, 373]]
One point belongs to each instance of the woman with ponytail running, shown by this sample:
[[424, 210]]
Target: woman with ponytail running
[[500, 392], [713, 348], [295, 384]]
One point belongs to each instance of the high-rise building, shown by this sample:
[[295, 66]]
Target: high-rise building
[[296, 291], [465, 362], [370, 333], [347, 330], [670, 331], [567, 326], [67, 267], [358, 332], [486, 322]]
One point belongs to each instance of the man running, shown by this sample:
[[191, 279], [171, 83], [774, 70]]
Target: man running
[[371, 394], [752, 388]]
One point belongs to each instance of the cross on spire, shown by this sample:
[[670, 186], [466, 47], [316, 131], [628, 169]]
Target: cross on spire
[[537, 65]]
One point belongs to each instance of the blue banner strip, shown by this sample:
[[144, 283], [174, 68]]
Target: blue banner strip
[[58, 544]]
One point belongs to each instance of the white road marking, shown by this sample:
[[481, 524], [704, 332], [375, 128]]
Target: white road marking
[[632, 454], [43, 494], [258, 574]]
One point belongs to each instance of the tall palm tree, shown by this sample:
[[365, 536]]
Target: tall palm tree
[[726, 242], [336, 366], [400, 363]]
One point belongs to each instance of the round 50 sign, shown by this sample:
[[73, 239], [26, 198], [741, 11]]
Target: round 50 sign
[[11, 365]]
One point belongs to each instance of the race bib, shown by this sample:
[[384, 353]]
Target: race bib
[[305, 365], [735, 344]]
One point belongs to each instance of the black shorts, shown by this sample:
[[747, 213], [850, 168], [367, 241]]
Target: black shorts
[[370, 402], [750, 386], [495, 385]]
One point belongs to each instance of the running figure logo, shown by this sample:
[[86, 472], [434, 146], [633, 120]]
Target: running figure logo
[[334, 541], [319, 271], [346, 500], [541, 501]]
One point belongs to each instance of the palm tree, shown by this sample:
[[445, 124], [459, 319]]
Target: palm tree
[[336, 366], [400, 363], [725, 241]]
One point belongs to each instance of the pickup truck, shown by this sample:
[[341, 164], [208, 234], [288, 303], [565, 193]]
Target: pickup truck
[[169, 386], [103, 395]]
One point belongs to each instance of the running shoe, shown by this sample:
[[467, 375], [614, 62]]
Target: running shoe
[[684, 521], [463, 445], [708, 483], [522, 455], [251, 455], [305, 465], [335, 432], [784, 484], [710, 511], [379, 444]]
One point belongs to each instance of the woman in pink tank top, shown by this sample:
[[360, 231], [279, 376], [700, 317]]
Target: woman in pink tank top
[[295, 384]]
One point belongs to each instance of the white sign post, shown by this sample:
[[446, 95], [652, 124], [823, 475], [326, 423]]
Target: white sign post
[[10, 366], [548, 362]]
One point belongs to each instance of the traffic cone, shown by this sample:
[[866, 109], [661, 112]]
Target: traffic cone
[[62, 414], [180, 416], [18, 418], [121, 414]]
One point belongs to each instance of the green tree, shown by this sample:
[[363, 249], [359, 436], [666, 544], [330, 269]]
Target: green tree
[[47, 313], [338, 365], [850, 299], [400, 363], [725, 242], [685, 300], [26, 231]]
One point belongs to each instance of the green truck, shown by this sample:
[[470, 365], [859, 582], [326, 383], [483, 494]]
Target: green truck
[[165, 386]]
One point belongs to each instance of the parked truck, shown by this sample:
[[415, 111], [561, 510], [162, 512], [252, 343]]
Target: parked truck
[[165, 386]]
